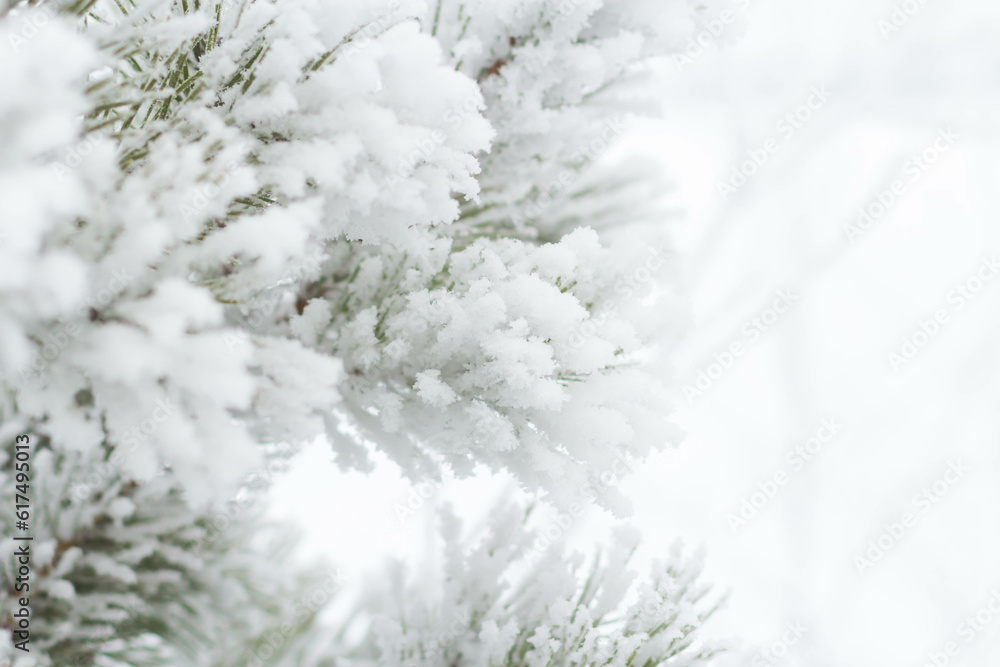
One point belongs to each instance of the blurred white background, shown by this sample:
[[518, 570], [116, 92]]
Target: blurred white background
[[857, 293]]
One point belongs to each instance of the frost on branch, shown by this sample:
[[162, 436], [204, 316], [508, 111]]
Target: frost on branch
[[490, 355], [249, 210], [229, 225], [128, 574], [175, 171], [509, 600], [562, 80], [514, 338]]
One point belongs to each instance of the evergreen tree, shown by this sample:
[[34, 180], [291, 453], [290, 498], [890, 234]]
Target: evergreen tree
[[228, 227]]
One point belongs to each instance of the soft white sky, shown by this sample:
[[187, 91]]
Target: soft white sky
[[825, 357]]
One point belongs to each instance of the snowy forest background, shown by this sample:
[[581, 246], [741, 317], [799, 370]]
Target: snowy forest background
[[793, 563]]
